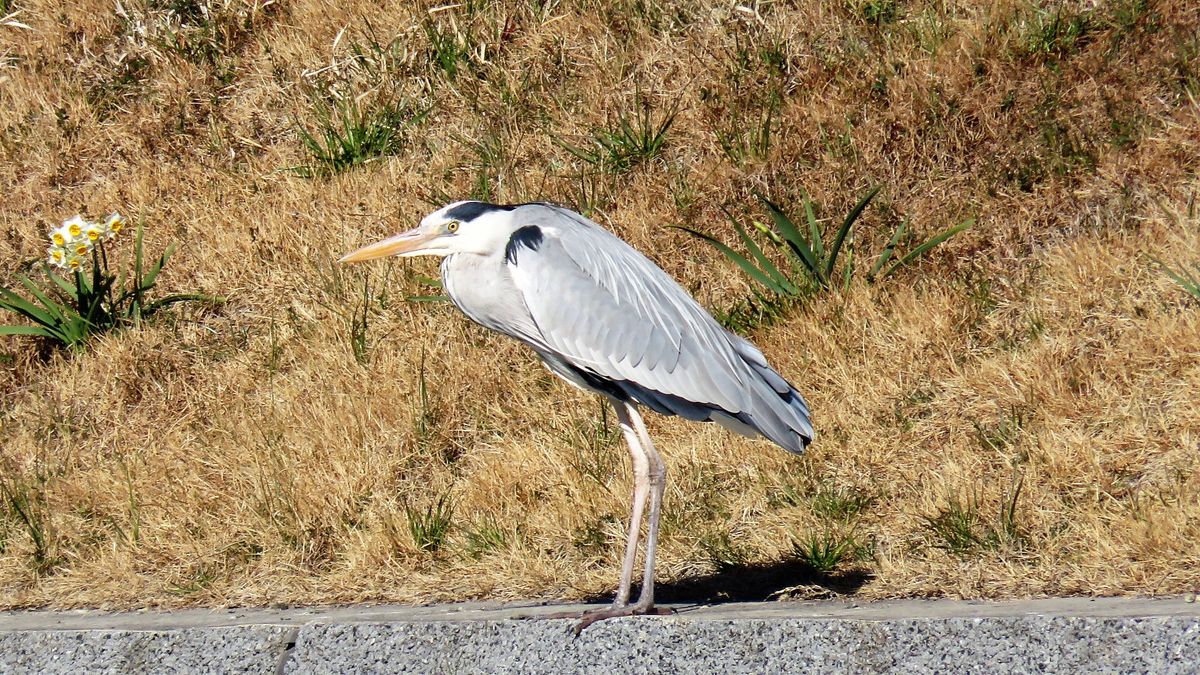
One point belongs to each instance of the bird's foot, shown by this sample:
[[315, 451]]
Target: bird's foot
[[592, 616]]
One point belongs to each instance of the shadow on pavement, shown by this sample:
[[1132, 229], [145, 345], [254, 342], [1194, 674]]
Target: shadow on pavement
[[756, 582]]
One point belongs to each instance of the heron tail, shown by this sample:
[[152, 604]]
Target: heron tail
[[777, 411]]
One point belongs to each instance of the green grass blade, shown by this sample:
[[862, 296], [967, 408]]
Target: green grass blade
[[738, 259], [795, 240], [768, 267], [28, 330], [48, 325], [886, 254], [135, 305], [844, 230], [66, 287], [95, 313], [764, 262], [137, 256], [1185, 279], [52, 308], [814, 231], [660, 138], [40, 320], [580, 153], [14, 303], [848, 271], [181, 297], [629, 135], [927, 246], [152, 273]]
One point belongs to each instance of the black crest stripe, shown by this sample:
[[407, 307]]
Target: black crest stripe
[[468, 211]]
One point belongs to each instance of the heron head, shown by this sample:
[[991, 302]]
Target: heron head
[[461, 227]]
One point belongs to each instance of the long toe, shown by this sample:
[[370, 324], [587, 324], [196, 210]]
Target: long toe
[[595, 615]]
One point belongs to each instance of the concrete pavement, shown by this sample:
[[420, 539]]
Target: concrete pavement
[[1053, 635]]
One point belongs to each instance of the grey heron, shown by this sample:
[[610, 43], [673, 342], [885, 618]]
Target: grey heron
[[605, 318]]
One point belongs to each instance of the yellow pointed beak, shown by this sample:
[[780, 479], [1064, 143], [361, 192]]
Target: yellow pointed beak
[[404, 243]]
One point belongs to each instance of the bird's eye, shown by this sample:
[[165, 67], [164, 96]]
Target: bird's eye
[[452, 226]]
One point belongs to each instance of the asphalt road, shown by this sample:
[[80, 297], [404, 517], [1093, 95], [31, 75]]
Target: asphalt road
[[1069, 635]]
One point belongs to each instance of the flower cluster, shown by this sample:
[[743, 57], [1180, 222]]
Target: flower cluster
[[73, 242]]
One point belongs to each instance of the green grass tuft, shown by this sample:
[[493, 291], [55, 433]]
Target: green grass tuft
[[25, 503], [487, 537], [430, 527], [639, 136], [594, 442], [879, 12], [724, 552], [348, 135], [824, 552], [841, 504], [1058, 31], [812, 256], [961, 529], [450, 50]]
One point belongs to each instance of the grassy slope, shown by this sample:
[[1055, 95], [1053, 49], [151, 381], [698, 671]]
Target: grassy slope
[[243, 454]]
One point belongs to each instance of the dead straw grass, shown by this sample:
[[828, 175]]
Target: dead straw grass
[[240, 455]]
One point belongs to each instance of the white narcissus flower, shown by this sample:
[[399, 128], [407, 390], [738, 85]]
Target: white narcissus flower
[[113, 225], [66, 233], [72, 242], [56, 256], [74, 226], [60, 236]]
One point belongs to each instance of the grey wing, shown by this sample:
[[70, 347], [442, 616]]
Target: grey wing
[[626, 327]]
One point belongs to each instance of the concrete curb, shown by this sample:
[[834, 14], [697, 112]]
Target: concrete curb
[[1055, 635]]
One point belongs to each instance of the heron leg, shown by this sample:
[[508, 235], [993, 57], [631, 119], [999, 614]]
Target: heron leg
[[658, 485], [650, 476], [641, 488]]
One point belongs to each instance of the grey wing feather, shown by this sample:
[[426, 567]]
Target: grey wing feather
[[605, 309]]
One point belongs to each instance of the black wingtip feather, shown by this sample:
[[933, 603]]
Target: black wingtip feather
[[529, 237]]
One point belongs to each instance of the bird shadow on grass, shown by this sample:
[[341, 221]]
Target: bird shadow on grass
[[789, 578]]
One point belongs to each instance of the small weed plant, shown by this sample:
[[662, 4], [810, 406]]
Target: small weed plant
[[638, 137], [26, 504], [488, 537], [824, 552], [348, 135], [746, 136], [840, 504], [450, 48], [90, 299], [430, 527], [812, 258], [962, 530]]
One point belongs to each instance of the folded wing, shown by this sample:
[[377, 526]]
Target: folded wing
[[616, 321]]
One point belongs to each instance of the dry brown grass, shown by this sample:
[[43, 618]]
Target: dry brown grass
[[241, 454]]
